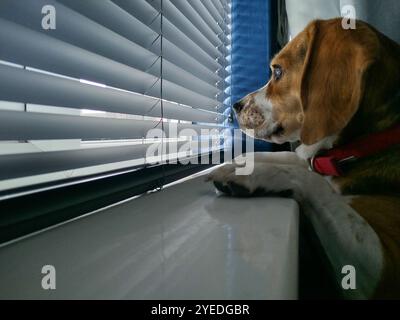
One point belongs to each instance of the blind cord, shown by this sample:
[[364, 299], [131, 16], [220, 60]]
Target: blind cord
[[162, 180]]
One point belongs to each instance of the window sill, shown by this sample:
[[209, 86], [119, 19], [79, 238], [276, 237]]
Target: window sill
[[181, 243]]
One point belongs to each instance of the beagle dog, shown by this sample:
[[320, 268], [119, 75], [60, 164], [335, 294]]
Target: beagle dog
[[336, 92]]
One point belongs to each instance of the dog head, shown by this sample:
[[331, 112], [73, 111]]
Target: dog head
[[316, 85]]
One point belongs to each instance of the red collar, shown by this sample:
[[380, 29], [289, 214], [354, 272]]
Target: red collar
[[329, 162]]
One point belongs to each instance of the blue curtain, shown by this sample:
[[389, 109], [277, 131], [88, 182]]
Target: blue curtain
[[251, 49]]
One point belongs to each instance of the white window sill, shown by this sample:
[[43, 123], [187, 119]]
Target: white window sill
[[181, 243]]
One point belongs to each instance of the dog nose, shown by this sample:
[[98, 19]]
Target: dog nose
[[238, 106]]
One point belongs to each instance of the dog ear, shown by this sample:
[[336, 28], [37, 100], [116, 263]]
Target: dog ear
[[332, 82]]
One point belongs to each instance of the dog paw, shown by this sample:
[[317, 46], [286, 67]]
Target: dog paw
[[260, 183]]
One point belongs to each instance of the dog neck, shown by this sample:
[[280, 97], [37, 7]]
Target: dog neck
[[371, 118], [356, 129], [380, 172]]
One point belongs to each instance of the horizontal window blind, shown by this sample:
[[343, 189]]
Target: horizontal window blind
[[83, 83]]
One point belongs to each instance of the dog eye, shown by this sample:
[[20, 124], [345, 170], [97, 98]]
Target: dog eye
[[277, 72]]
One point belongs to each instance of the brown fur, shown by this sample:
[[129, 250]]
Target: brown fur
[[383, 214]]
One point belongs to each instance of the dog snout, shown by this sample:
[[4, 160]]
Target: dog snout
[[238, 106]]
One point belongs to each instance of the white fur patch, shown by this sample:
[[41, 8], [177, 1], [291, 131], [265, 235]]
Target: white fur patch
[[308, 151]]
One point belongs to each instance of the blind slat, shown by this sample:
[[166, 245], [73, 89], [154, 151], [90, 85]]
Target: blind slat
[[188, 11], [215, 14], [16, 125], [104, 43], [203, 12], [25, 165], [38, 88], [220, 9], [62, 58], [103, 13], [185, 25], [206, 16], [150, 16], [114, 18]]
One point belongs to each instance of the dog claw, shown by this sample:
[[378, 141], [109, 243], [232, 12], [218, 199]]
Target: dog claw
[[223, 188]]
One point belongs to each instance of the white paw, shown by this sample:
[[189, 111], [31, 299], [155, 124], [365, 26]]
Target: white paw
[[266, 179]]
